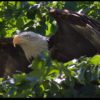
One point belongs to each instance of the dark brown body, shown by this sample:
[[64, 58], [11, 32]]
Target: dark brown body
[[69, 41], [12, 58]]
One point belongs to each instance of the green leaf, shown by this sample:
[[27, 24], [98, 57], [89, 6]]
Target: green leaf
[[95, 60]]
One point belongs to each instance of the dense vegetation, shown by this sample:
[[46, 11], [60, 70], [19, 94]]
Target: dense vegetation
[[49, 78]]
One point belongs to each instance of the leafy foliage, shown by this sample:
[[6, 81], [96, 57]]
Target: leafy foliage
[[49, 78]]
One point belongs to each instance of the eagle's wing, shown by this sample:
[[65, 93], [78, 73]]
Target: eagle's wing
[[12, 59], [77, 35]]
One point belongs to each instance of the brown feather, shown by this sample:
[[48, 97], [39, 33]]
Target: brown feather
[[12, 59], [69, 42]]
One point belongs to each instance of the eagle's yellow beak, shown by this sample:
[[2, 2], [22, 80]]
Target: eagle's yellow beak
[[16, 40]]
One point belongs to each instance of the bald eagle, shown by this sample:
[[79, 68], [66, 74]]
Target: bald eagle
[[77, 35]]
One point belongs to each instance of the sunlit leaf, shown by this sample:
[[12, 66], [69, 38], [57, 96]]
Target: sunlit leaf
[[95, 60]]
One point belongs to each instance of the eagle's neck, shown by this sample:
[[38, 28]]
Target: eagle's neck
[[35, 48]]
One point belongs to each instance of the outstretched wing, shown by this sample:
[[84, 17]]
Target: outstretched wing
[[77, 35], [12, 59]]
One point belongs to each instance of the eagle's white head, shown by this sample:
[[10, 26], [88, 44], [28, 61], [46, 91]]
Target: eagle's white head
[[32, 43]]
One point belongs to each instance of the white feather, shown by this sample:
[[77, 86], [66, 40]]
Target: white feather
[[33, 44]]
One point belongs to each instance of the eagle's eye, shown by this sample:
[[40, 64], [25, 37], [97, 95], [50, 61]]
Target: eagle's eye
[[27, 36], [31, 38]]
